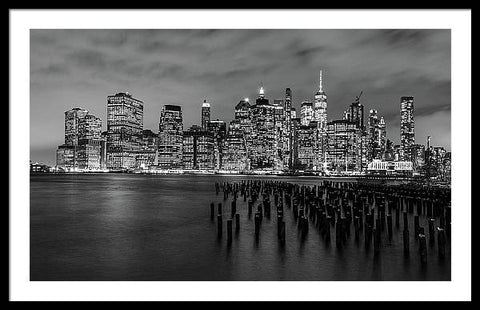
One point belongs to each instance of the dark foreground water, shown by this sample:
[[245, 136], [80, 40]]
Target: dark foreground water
[[147, 227]]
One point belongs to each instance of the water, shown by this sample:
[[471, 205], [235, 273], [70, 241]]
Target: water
[[149, 227]]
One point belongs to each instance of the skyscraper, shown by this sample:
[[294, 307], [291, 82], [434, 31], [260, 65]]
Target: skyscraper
[[263, 155], [72, 118], [320, 106], [307, 154], [344, 146], [288, 147], [170, 137], [83, 142], [354, 113], [205, 114], [218, 128], [198, 149], [407, 128], [124, 128], [234, 152], [306, 113]]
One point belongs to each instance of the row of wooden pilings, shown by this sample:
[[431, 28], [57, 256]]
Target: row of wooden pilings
[[372, 209]]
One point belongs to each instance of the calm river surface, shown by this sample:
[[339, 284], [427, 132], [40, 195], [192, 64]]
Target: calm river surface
[[150, 227]]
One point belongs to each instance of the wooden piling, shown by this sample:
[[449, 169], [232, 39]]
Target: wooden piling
[[212, 211], [219, 225], [389, 226], [423, 248], [237, 222], [229, 230], [441, 242], [233, 208], [406, 242]]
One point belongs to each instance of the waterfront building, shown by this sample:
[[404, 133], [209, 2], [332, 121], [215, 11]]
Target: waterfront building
[[306, 144], [219, 130], [205, 114], [124, 127], [66, 157], [396, 152], [170, 137], [147, 154], [234, 153], [244, 118], [288, 138], [407, 128], [306, 113], [72, 120], [342, 152], [390, 167], [296, 123], [281, 136], [263, 152], [377, 136], [389, 152], [82, 149], [198, 147], [418, 156]]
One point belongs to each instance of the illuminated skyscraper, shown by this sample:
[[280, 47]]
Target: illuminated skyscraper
[[344, 146], [234, 152], [124, 127], [263, 155], [407, 128], [288, 146], [306, 113], [83, 142], [293, 113], [218, 128], [320, 106], [72, 118], [170, 137], [354, 113], [307, 153], [198, 149], [205, 114]]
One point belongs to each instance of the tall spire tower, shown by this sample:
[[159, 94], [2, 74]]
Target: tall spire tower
[[320, 85], [320, 104]]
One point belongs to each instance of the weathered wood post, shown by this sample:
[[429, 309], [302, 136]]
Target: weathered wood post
[[356, 223], [416, 225], [257, 225], [405, 220], [237, 222], [219, 225], [431, 231], [423, 248], [229, 230], [389, 226], [441, 242], [406, 242], [282, 232], [233, 208], [397, 217], [376, 239]]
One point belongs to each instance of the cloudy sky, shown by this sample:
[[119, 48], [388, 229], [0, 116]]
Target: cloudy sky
[[80, 68]]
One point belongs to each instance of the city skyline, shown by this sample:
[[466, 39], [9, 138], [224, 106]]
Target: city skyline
[[429, 86]]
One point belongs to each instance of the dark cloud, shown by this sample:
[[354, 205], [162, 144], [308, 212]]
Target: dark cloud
[[81, 67]]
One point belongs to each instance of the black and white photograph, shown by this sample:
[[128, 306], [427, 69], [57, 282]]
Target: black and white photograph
[[236, 154]]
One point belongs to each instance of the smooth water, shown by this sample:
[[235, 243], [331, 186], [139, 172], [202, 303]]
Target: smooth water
[[149, 227]]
